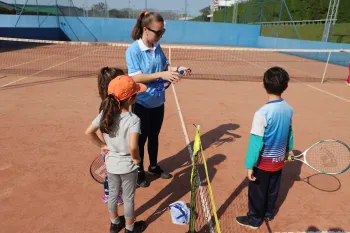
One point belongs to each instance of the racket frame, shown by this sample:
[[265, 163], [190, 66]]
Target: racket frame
[[91, 165], [304, 154]]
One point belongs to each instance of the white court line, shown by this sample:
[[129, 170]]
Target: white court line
[[5, 68], [313, 87], [318, 89], [328, 93], [46, 69], [303, 72], [204, 206], [300, 71]]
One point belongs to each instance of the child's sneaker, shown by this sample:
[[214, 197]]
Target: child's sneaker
[[141, 179], [119, 201], [105, 198], [268, 218], [115, 228], [157, 171], [139, 227], [244, 221]]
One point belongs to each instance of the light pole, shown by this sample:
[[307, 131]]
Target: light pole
[[185, 10]]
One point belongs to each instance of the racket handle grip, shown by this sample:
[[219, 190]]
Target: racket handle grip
[[183, 71], [105, 186]]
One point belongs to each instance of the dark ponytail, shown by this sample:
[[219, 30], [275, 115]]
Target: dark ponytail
[[105, 76], [111, 109], [145, 19]]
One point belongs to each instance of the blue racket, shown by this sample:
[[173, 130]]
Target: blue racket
[[165, 84]]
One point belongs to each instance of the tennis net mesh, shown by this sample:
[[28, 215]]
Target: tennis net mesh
[[67, 59], [203, 215]]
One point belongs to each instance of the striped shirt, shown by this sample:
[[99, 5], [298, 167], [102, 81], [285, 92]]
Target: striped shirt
[[273, 122]]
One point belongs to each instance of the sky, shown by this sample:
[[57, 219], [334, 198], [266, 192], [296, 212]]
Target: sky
[[176, 5], [193, 6]]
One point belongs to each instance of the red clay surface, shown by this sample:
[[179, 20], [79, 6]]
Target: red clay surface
[[45, 156]]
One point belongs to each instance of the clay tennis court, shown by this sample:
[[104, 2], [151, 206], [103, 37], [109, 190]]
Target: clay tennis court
[[49, 96]]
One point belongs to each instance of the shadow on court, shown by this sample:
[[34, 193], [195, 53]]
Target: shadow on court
[[177, 188]]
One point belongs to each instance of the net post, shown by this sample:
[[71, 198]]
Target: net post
[[325, 68], [194, 183]]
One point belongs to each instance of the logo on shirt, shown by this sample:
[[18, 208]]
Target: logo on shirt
[[278, 159]]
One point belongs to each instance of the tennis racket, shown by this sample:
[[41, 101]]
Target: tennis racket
[[165, 84], [98, 169], [326, 157]]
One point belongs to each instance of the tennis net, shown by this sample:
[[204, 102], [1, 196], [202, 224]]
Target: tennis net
[[70, 59], [203, 217]]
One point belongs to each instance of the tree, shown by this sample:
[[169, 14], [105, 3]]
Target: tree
[[99, 9], [114, 13], [249, 11], [205, 11]]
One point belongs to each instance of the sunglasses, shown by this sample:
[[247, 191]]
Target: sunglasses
[[158, 33]]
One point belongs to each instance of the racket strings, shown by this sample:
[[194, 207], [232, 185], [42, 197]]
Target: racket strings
[[98, 169], [329, 157]]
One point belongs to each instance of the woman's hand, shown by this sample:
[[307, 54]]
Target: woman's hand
[[170, 76]]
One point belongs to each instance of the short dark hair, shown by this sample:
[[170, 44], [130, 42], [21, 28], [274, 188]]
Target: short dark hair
[[276, 80]]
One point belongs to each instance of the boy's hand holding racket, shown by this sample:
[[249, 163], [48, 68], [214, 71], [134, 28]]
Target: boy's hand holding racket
[[288, 156]]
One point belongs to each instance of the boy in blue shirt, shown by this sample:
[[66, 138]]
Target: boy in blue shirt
[[271, 138]]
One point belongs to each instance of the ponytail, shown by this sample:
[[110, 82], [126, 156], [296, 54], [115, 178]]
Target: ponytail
[[105, 76], [110, 107], [145, 19], [138, 29]]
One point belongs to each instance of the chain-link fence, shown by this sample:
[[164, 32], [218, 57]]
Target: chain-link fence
[[95, 8]]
